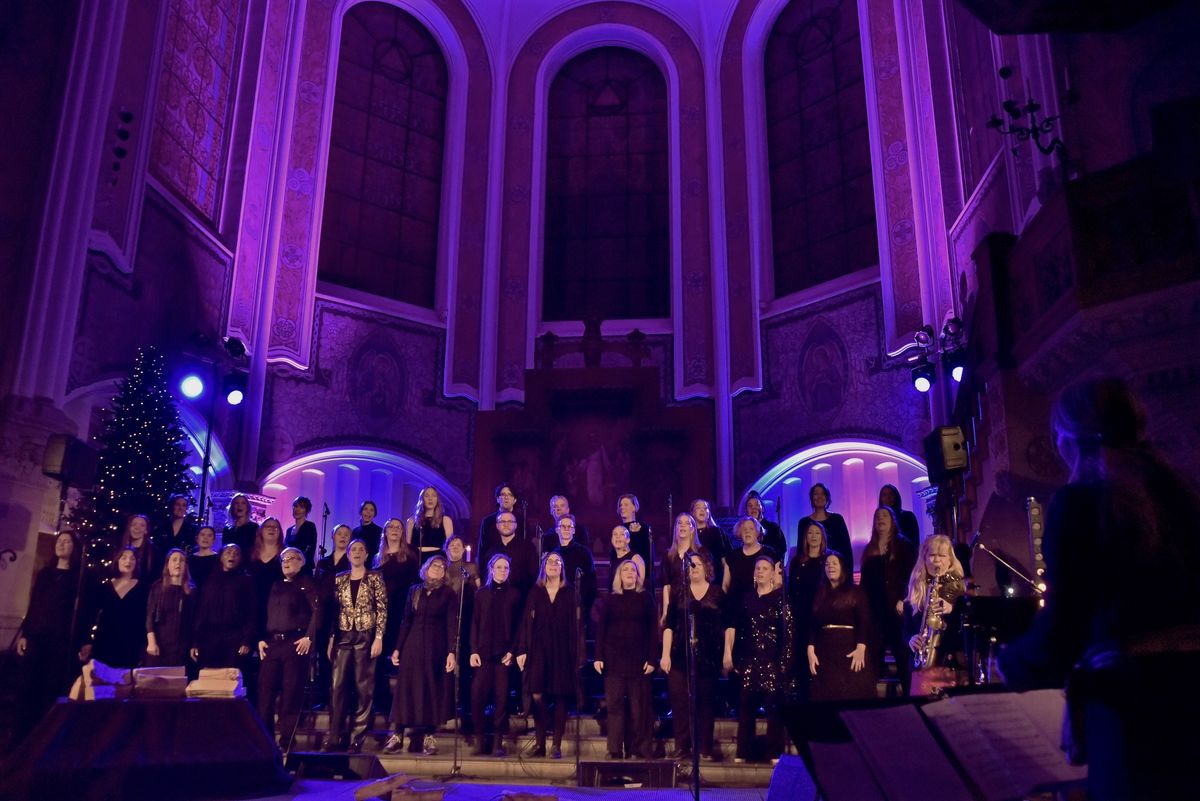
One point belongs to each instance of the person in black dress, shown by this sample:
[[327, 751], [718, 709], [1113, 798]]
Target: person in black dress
[[170, 614], [839, 627], [887, 563], [836, 533], [398, 565], [264, 566], [424, 653], [226, 615], [361, 621], [204, 560], [137, 537], [302, 534], [711, 536], [739, 563], [240, 530], [119, 634], [46, 643], [548, 651], [577, 562], [493, 643], [368, 530], [683, 542], [772, 534], [641, 538], [621, 552], [625, 640], [429, 526], [178, 532], [805, 574], [328, 569], [1121, 615], [489, 532], [293, 611], [764, 644], [707, 604], [522, 554], [910, 528]]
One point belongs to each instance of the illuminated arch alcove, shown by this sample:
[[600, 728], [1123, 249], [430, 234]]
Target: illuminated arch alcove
[[345, 477], [854, 470]]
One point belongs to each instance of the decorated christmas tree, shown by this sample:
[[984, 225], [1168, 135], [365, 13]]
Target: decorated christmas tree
[[143, 461]]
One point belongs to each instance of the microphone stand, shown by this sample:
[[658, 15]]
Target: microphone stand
[[456, 766], [581, 660], [524, 521], [324, 527], [978, 670], [1015, 571], [693, 679]]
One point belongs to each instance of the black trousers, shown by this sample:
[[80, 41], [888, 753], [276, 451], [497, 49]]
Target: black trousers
[[634, 690], [681, 715], [772, 704], [490, 683], [282, 674], [352, 662], [541, 714]]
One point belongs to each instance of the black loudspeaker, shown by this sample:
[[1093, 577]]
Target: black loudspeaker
[[627, 773], [791, 781], [70, 460], [945, 453], [347, 767]]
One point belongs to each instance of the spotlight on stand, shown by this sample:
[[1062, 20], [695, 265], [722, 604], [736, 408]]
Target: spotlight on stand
[[923, 374], [234, 388], [956, 363], [192, 386]]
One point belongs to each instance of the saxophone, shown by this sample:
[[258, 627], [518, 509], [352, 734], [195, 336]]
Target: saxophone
[[931, 630]]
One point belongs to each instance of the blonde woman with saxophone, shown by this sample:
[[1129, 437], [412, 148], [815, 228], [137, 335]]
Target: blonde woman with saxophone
[[931, 622]]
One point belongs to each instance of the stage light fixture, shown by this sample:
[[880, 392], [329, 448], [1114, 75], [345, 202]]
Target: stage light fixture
[[235, 347], [234, 389], [923, 375], [956, 364], [192, 386]]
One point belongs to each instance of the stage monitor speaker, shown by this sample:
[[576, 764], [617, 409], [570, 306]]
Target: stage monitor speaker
[[627, 773], [945, 453], [791, 781], [70, 460], [348, 767]]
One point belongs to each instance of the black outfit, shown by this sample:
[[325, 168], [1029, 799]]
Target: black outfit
[[885, 580], [710, 636], [673, 569], [398, 577], [1137, 665], [493, 634], [550, 639], [119, 636], [577, 558], [766, 639], [741, 571], [165, 538], [714, 538], [201, 567], [840, 619], [522, 562], [371, 535], [489, 535], [550, 538], [773, 537], [241, 536], [226, 619], [837, 536], [264, 575], [49, 666], [424, 692], [641, 542], [170, 612], [149, 558], [426, 536], [304, 539], [910, 529], [625, 642], [804, 577], [293, 612]]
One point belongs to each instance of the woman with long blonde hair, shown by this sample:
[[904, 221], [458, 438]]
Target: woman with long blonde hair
[[684, 540]]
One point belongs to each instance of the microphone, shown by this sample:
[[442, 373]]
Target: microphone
[[465, 574], [578, 574], [974, 540], [325, 508]]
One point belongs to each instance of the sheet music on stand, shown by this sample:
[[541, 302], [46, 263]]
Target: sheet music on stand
[[1008, 743]]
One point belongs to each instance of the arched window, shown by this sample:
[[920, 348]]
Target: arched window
[[607, 229], [822, 201], [195, 94], [379, 232]]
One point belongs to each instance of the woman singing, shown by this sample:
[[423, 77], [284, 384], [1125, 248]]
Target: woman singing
[[641, 539], [137, 537], [625, 640], [398, 565], [805, 574], [367, 529], [361, 621], [119, 636], [887, 563], [226, 615], [302, 534], [265, 568], [204, 561], [707, 602], [836, 533], [772, 534], [548, 650], [910, 529], [493, 642], [178, 532], [241, 530], [837, 638], [170, 612], [739, 564], [429, 527], [622, 552], [683, 542], [711, 536], [932, 625], [424, 653], [766, 642]]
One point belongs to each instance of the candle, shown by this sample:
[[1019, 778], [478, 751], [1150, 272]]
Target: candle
[[468, 553]]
